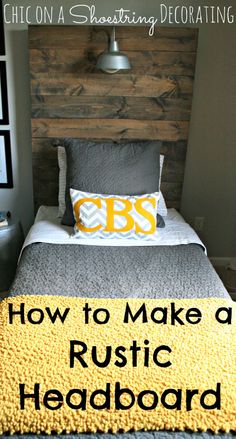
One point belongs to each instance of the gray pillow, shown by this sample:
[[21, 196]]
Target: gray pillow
[[110, 168]]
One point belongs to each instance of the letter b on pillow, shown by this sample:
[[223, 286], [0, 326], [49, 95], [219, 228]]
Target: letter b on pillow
[[137, 207], [110, 214], [125, 215]]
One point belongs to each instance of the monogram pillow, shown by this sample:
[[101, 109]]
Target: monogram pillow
[[114, 216]]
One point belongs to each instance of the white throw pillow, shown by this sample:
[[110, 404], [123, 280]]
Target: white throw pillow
[[61, 155], [114, 216], [162, 209]]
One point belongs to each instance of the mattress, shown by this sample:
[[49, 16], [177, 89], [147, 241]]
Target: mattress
[[161, 271]]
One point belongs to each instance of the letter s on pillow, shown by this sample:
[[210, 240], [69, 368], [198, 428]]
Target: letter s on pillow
[[144, 212]]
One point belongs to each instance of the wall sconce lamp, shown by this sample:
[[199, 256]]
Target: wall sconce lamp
[[112, 60]]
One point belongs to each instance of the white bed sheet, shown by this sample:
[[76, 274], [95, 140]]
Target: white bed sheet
[[47, 228]]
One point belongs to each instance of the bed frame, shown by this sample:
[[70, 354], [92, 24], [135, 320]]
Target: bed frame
[[71, 98]]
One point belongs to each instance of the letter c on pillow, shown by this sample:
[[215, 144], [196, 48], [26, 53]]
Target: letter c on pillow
[[77, 205]]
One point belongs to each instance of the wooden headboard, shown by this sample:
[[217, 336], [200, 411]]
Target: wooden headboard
[[71, 98]]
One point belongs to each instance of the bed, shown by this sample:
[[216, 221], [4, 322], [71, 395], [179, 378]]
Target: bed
[[49, 265], [58, 261], [54, 262]]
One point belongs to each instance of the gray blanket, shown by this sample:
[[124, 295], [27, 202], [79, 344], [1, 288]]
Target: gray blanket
[[91, 271], [178, 271]]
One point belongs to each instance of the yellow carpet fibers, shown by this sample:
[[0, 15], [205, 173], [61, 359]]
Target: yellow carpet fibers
[[201, 356]]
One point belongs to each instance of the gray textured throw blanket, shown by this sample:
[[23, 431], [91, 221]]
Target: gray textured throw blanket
[[92, 271], [74, 270]]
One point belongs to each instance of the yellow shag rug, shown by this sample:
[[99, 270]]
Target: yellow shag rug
[[172, 375]]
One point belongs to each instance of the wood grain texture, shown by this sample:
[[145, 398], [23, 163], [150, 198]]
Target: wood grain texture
[[110, 107], [44, 146], [96, 38], [44, 84], [72, 98], [106, 129], [84, 61]]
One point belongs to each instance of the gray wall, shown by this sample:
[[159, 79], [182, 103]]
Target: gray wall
[[210, 178]]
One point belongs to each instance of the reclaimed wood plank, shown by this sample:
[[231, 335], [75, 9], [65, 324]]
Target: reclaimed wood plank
[[47, 190], [171, 191], [104, 85], [173, 171], [46, 147], [111, 129], [43, 147], [45, 183], [84, 61], [174, 150], [129, 38], [110, 107], [45, 160]]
